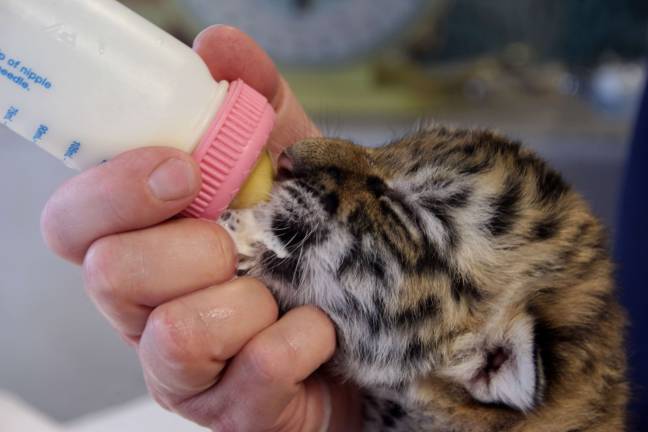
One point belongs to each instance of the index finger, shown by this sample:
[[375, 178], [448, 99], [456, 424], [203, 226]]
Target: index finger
[[230, 54]]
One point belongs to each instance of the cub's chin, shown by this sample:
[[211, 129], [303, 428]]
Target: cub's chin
[[249, 233], [260, 255]]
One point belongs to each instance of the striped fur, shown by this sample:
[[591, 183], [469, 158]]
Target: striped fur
[[470, 286]]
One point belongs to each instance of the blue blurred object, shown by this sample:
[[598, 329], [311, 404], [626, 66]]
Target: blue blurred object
[[632, 258], [313, 32]]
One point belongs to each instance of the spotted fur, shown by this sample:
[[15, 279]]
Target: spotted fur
[[470, 287]]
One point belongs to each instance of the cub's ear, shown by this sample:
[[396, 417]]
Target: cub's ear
[[501, 367]]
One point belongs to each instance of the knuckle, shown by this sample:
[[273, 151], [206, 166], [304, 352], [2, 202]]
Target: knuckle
[[201, 411], [53, 230], [224, 423], [257, 289], [217, 350], [174, 337], [119, 209], [160, 398], [103, 272], [222, 246], [271, 361]]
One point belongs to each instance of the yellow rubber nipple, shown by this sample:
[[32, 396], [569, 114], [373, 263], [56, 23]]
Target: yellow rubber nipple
[[257, 186]]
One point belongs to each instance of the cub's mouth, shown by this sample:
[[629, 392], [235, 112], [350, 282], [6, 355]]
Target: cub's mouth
[[251, 228]]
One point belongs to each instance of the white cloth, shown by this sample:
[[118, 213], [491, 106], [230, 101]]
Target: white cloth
[[139, 415], [17, 416]]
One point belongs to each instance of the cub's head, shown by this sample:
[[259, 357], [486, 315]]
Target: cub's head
[[430, 255]]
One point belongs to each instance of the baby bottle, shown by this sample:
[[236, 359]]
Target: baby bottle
[[89, 79]]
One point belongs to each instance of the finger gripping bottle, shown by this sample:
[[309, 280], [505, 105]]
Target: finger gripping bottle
[[89, 79]]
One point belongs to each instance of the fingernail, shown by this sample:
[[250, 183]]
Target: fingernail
[[172, 180], [203, 32]]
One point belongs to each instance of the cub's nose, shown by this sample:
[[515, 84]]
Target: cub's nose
[[326, 153], [285, 167]]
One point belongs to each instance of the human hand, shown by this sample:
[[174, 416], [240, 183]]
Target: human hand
[[212, 348]]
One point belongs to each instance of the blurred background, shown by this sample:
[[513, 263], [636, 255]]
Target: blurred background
[[563, 76]]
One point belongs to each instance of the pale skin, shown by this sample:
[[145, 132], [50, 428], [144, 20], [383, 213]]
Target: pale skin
[[212, 348]]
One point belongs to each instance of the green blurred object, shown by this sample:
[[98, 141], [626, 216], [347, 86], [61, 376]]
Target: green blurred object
[[354, 90], [166, 14], [429, 56]]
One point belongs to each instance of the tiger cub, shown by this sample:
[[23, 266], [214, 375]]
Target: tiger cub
[[470, 287]]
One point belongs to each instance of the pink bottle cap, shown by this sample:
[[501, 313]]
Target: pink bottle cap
[[229, 150]]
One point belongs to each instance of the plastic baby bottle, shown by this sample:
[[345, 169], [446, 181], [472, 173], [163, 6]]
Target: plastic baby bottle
[[89, 79]]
